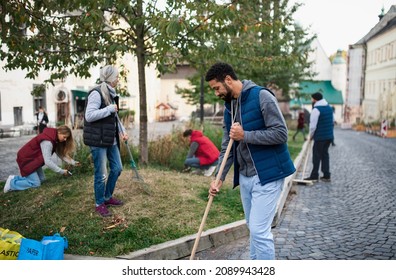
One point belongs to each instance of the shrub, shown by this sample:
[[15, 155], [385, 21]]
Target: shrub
[[82, 155], [170, 151], [167, 152]]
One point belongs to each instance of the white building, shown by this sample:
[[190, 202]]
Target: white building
[[330, 80], [371, 90]]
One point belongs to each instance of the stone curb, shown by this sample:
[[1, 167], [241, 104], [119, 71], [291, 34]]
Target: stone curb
[[182, 247], [289, 183]]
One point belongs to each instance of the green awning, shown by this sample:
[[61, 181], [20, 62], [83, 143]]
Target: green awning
[[79, 94], [332, 96]]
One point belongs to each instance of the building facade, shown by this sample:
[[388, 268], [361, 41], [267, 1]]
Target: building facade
[[371, 89], [330, 80]]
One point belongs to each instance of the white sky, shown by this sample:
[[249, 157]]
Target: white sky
[[340, 23]]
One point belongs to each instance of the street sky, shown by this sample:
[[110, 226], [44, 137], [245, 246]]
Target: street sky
[[340, 23]]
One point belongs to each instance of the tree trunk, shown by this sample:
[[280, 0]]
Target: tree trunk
[[202, 100], [141, 60]]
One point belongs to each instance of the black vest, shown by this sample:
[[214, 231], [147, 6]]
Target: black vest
[[100, 133]]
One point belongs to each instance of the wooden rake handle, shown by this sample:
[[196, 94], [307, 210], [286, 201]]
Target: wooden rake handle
[[223, 162]]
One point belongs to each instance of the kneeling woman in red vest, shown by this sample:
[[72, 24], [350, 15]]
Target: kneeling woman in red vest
[[37, 153]]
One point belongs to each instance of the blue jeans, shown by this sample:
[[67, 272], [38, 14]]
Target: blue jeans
[[103, 186], [194, 162], [259, 204], [33, 180]]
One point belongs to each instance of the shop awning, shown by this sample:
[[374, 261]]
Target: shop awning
[[332, 96], [79, 94]]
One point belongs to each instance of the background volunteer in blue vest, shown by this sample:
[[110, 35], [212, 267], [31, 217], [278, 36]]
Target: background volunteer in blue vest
[[260, 155], [321, 131], [102, 133], [38, 152]]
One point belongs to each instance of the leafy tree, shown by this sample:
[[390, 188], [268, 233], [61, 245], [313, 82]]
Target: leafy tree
[[70, 37], [263, 43]]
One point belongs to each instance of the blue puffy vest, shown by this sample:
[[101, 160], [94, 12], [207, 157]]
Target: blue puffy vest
[[272, 162], [324, 128]]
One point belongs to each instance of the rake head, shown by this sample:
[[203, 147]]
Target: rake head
[[137, 178]]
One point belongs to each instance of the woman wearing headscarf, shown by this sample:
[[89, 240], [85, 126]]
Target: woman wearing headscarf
[[102, 132]]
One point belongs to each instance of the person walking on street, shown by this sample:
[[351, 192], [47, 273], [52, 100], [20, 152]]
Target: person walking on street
[[203, 154], [102, 132], [41, 119], [300, 126], [260, 155], [37, 153], [321, 131]]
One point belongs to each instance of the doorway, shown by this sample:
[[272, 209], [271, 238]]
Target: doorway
[[62, 113], [18, 116]]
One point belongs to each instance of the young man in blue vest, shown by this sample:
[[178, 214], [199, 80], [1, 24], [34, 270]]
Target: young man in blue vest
[[321, 130], [261, 159]]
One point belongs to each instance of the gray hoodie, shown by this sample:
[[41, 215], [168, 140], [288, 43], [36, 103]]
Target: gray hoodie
[[276, 132]]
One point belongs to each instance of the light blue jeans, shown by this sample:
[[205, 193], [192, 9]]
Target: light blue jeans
[[33, 180], [103, 186], [259, 204]]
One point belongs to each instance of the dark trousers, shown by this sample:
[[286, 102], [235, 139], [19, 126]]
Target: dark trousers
[[320, 155], [41, 127], [299, 130]]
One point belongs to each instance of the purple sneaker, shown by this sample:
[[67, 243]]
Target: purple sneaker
[[102, 210], [113, 202]]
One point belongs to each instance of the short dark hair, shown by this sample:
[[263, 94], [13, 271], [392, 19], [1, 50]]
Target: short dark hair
[[317, 96], [219, 71], [187, 132]]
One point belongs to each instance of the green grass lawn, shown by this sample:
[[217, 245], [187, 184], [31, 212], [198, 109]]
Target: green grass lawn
[[174, 209]]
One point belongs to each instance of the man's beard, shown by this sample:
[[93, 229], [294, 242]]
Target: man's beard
[[227, 97]]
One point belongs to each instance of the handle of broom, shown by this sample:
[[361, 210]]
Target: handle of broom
[[211, 199]]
